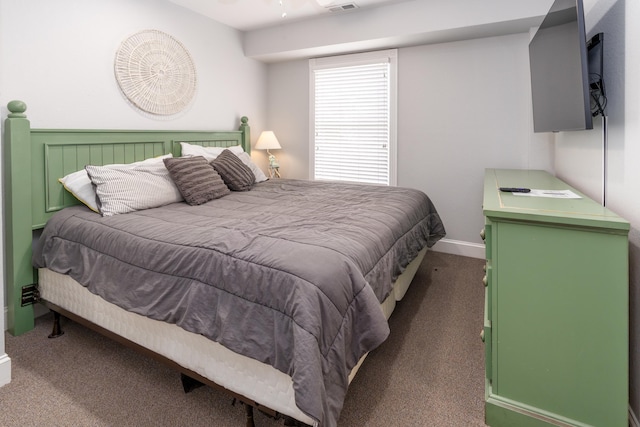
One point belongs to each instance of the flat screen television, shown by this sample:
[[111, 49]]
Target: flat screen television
[[558, 59]]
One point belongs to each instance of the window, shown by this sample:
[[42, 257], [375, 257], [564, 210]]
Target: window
[[353, 117]]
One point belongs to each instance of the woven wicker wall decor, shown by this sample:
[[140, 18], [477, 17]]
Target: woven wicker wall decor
[[155, 72]]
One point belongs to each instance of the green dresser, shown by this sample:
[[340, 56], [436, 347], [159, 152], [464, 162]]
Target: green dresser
[[556, 307]]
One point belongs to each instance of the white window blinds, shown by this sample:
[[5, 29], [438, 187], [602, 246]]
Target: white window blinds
[[353, 107]]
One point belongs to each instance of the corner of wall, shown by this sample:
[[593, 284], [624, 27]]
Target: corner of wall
[[634, 323], [5, 370], [457, 247]]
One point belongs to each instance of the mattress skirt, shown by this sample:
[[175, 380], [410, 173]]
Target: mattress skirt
[[254, 380]]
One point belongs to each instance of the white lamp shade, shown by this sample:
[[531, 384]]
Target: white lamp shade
[[267, 141]]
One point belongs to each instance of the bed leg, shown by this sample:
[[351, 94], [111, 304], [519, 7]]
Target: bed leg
[[292, 422], [189, 384], [57, 330], [249, 411]]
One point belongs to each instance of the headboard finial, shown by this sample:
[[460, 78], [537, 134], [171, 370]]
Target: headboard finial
[[16, 109], [246, 131]]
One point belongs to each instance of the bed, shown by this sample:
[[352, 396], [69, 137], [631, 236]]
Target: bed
[[295, 271]]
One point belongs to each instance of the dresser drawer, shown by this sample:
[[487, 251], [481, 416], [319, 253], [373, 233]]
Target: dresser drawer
[[485, 233], [487, 282], [486, 337]]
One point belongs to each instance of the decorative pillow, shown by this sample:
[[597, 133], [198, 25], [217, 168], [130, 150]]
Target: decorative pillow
[[123, 188], [79, 184], [257, 172], [196, 179], [209, 153], [234, 173]]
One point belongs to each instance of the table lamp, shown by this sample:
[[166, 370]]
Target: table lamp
[[268, 141]]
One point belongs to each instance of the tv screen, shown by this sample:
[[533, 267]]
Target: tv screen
[[559, 70]]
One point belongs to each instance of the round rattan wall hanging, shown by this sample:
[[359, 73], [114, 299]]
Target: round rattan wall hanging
[[155, 72]]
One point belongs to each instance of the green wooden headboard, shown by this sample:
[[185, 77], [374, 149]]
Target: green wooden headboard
[[34, 159]]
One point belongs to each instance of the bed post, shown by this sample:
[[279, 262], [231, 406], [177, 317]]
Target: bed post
[[246, 134], [18, 216]]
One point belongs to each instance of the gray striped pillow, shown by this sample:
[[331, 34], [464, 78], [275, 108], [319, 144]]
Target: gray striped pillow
[[196, 179], [123, 188], [234, 173]]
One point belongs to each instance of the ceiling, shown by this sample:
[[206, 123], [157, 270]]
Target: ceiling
[[249, 15], [311, 29]]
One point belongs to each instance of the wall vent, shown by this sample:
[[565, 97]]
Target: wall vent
[[343, 7]]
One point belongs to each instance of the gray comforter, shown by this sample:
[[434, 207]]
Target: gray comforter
[[290, 273]]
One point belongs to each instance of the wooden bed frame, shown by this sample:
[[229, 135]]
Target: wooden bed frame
[[34, 160]]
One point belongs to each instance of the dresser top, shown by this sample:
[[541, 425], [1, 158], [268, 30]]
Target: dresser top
[[578, 212]]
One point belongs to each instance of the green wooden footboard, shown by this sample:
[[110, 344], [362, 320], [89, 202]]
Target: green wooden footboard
[[34, 159]]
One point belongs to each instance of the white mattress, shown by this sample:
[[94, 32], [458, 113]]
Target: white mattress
[[248, 377]]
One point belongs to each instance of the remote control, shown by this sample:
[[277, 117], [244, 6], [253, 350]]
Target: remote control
[[515, 190]]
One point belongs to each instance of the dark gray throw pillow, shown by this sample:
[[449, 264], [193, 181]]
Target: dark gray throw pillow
[[197, 181], [234, 173]]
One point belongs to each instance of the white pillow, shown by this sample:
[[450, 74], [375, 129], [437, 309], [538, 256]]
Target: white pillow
[[209, 153], [257, 172], [79, 184], [133, 187]]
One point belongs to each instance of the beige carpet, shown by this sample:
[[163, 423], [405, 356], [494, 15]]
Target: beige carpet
[[430, 372]]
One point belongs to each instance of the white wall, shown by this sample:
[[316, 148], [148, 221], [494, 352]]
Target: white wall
[[576, 153], [625, 194], [288, 115], [58, 58], [587, 173], [462, 107]]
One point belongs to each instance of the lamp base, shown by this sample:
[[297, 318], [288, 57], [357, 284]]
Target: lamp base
[[274, 172], [274, 166]]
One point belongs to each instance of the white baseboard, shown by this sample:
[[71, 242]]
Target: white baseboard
[[458, 247], [633, 420], [5, 370]]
